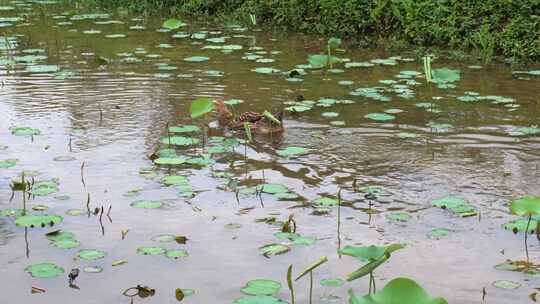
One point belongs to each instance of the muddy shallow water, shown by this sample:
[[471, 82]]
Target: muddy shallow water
[[110, 114]]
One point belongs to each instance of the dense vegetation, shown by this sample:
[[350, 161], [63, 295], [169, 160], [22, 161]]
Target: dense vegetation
[[507, 27]]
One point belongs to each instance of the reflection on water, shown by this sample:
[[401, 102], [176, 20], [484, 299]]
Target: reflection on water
[[112, 115]]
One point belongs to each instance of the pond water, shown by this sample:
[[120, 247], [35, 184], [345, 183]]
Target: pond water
[[102, 89]]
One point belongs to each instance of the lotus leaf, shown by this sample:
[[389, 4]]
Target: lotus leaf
[[196, 59], [520, 225], [529, 205], [175, 180], [332, 282], [173, 24], [445, 75], [325, 201], [399, 216], [176, 254], [44, 270], [380, 116], [146, 204], [35, 221], [398, 291], [505, 284], [8, 163], [179, 141], [90, 255], [272, 188], [151, 250], [292, 151], [184, 129], [438, 233], [44, 188], [274, 249], [201, 107], [258, 300], [457, 205], [24, 131], [173, 161], [261, 287], [40, 68], [92, 269]]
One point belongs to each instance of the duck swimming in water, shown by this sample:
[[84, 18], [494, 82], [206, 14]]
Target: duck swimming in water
[[261, 123]]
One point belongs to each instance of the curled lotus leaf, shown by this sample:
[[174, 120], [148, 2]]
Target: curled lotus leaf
[[44, 270], [35, 221], [261, 287]]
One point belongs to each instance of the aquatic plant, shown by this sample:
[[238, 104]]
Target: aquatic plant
[[375, 256], [526, 206], [397, 291]]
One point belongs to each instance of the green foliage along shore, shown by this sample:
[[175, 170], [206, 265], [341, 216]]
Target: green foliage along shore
[[492, 27]]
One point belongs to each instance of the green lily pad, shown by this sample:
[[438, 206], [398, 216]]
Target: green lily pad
[[380, 116], [264, 70], [116, 36], [172, 161], [13, 212], [151, 250], [59, 235], [176, 254], [175, 180], [180, 141], [42, 68], [173, 24], [76, 212], [258, 300], [92, 269], [399, 216], [44, 270], [400, 290], [406, 135], [196, 59], [274, 249], [292, 151], [457, 205], [520, 225], [25, 131], [35, 221], [438, 233], [320, 61], [44, 188], [364, 253], [272, 188], [528, 131], [505, 284], [146, 204], [184, 129], [332, 282], [445, 75], [298, 109], [91, 255], [261, 287], [529, 205], [325, 201], [8, 163], [66, 243]]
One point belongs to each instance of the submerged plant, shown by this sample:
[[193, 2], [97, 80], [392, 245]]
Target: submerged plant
[[526, 206]]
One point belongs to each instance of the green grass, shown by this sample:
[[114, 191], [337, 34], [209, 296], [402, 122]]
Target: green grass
[[488, 27]]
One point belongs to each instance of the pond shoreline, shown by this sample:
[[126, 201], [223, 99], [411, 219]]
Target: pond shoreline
[[510, 31]]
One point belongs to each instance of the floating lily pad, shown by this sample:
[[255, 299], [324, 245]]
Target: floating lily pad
[[292, 151], [325, 201], [272, 188], [445, 75], [173, 24], [41, 68], [25, 131], [44, 270], [44, 188], [35, 221], [264, 70], [172, 161], [274, 249], [505, 284], [457, 205], [175, 180], [196, 59], [180, 141], [8, 163], [380, 116], [399, 216], [76, 212], [261, 287], [332, 282], [184, 129], [438, 233], [90, 255], [151, 250], [66, 243], [258, 300], [520, 225], [92, 269], [146, 204], [176, 254], [13, 212]]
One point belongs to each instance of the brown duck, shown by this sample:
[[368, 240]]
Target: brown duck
[[260, 123]]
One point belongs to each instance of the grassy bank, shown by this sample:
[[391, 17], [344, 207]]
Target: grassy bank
[[489, 27]]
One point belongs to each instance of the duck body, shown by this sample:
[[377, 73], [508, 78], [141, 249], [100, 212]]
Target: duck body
[[259, 122]]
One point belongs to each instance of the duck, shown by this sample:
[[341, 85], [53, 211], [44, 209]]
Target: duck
[[260, 123]]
